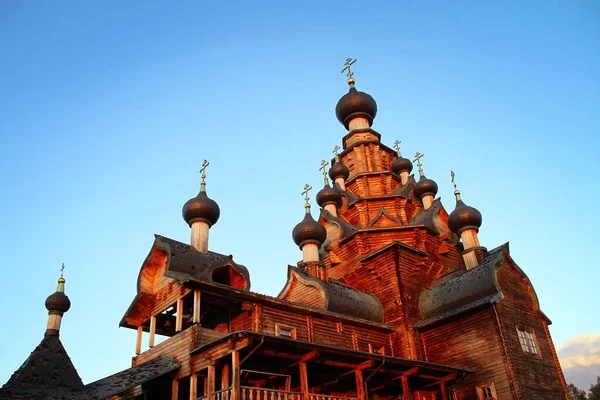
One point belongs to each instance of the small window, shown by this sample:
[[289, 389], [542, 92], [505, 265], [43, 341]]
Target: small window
[[523, 341], [285, 331], [532, 345], [486, 392]]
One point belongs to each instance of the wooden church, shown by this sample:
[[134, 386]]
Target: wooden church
[[394, 298]]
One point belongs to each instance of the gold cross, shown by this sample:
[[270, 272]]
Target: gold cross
[[335, 151], [417, 159], [203, 171], [307, 188], [62, 269], [397, 147], [349, 74], [324, 169], [452, 179]]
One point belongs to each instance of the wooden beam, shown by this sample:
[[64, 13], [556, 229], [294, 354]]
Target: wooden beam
[[152, 330], [412, 371], [179, 320], [281, 355], [211, 381], [235, 375], [306, 357], [405, 388], [341, 364], [175, 389], [444, 390], [196, 315], [303, 380], [225, 381], [360, 385], [193, 387], [138, 343]]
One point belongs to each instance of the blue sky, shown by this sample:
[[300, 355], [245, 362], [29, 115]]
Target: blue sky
[[107, 110]]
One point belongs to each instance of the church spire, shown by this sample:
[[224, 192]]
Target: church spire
[[201, 212], [329, 197], [402, 166], [355, 110], [465, 222], [309, 235], [57, 304]]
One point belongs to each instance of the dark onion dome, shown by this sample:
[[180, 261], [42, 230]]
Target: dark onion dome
[[58, 303], [401, 164], [425, 186], [464, 217], [339, 170], [329, 195], [309, 231], [201, 208], [355, 104]]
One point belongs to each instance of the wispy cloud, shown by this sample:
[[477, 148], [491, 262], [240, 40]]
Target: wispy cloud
[[580, 359]]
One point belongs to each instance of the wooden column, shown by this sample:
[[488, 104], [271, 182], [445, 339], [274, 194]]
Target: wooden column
[[175, 389], [193, 387], [444, 390], [179, 320], [303, 380], [211, 382], [138, 343], [405, 388], [152, 330], [360, 385], [196, 318], [235, 376], [225, 380]]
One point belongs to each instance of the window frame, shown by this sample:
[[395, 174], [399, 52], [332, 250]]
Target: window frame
[[287, 328], [528, 341], [482, 389]]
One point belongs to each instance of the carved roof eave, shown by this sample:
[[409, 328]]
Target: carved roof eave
[[346, 227], [388, 229], [301, 309], [454, 296], [385, 248]]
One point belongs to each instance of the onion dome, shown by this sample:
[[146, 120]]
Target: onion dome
[[355, 104], [401, 164], [464, 217], [201, 208], [58, 302], [425, 186], [309, 231], [329, 195], [338, 170]]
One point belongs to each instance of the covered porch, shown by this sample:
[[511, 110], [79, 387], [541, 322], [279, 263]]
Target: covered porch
[[254, 366]]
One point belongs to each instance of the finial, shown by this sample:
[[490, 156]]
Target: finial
[[307, 188], [203, 175], [456, 191], [349, 74], [61, 280], [397, 147], [417, 159], [335, 151], [324, 169]]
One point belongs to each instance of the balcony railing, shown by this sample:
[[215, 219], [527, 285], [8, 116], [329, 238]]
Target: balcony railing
[[254, 393]]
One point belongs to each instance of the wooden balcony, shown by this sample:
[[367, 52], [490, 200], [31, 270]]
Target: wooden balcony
[[255, 393]]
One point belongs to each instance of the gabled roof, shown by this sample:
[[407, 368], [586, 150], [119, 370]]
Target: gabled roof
[[462, 291], [132, 377], [48, 373]]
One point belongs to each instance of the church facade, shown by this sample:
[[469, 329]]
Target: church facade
[[394, 298]]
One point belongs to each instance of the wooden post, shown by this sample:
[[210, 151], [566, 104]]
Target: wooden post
[[444, 390], [303, 380], [196, 319], [225, 381], [235, 375], [179, 320], [138, 343], [175, 389], [211, 382], [152, 330], [360, 385], [405, 388], [205, 385], [193, 387]]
